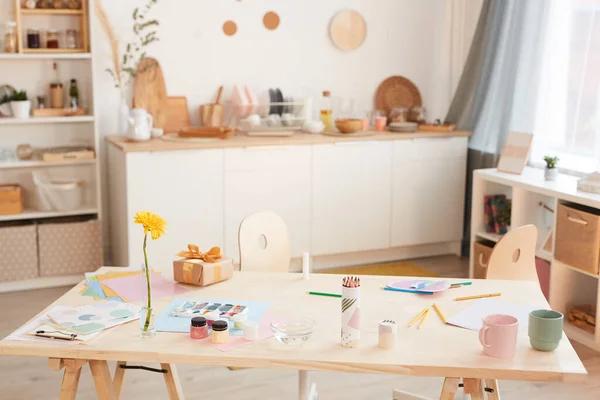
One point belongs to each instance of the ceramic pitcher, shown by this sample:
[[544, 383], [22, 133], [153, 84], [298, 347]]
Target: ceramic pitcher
[[140, 125]]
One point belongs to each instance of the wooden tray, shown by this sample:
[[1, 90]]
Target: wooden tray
[[355, 134], [397, 92], [583, 317], [58, 112], [437, 128], [66, 153]]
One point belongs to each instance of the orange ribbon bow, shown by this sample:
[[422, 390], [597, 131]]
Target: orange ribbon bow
[[195, 253]]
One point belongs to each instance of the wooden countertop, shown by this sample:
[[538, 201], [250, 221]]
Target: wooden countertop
[[241, 140]]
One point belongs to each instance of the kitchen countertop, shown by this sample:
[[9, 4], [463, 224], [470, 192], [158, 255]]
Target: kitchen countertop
[[241, 140]]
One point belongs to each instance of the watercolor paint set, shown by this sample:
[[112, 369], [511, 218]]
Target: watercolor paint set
[[197, 308]]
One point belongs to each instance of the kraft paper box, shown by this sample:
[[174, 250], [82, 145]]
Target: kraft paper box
[[201, 273]]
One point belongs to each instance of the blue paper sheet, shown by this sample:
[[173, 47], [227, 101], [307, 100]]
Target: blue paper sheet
[[95, 288], [165, 322]]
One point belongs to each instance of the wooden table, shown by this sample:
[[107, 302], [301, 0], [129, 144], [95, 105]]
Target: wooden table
[[435, 350]]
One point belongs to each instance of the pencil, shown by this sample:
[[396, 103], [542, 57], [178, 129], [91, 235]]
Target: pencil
[[325, 294], [418, 316], [456, 285], [424, 318], [439, 312], [479, 296]]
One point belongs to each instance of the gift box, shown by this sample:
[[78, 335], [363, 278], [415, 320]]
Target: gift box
[[202, 269]]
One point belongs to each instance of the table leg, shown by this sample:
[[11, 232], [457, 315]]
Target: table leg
[[493, 385], [102, 380], [474, 388], [70, 382], [449, 389], [118, 378], [172, 381], [303, 385]]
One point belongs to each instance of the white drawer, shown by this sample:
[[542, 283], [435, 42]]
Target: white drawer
[[431, 148], [267, 158]]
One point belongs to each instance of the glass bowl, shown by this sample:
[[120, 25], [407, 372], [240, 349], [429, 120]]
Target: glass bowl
[[293, 331]]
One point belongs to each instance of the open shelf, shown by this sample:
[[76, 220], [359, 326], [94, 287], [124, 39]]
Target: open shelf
[[581, 336], [579, 270], [46, 120], [51, 11], [31, 214], [494, 237], [53, 51], [43, 164], [45, 56], [544, 255]]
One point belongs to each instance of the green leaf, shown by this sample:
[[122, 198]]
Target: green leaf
[[135, 12]]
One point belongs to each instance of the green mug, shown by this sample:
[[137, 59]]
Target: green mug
[[545, 329]]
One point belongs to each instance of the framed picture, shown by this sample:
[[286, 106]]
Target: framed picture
[[515, 152]]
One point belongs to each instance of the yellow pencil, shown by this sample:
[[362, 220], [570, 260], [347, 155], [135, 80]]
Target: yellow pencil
[[439, 312], [479, 296], [418, 316], [424, 318]]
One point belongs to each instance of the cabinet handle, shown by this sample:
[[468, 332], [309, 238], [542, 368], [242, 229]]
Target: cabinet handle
[[481, 263], [576, 220], [356, 143]]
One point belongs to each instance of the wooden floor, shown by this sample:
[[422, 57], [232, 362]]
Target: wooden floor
[[29, 378]]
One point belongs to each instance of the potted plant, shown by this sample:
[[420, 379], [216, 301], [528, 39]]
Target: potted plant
[[21, 106], [551, 173]]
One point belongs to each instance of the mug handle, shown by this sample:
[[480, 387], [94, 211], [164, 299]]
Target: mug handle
[[482, 336]]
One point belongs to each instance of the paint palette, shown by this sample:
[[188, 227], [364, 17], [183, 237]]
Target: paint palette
[[93, 318], [191, 309]]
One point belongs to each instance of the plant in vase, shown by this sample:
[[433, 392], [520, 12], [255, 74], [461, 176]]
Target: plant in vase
[[124, 68], [155, 226], [551, 172], [20, 105]]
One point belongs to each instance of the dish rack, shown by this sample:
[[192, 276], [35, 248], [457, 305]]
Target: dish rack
[[274, 123]]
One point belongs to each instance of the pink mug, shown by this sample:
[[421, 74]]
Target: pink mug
[[498, 335]]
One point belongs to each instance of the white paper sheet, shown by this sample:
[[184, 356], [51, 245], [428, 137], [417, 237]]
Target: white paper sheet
[[472, 317]]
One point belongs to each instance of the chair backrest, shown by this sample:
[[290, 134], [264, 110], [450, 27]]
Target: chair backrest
[[513, 257], [264, 243]]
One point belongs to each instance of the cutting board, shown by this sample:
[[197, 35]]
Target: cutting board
[[348, 30], [150, 91], [178, 114]]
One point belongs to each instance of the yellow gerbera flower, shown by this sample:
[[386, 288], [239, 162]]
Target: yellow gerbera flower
[[152, 223]]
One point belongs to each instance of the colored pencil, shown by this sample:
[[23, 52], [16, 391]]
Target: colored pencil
[[439, 312], [456, 285], [479, 296], [406, 290], [417, 317], [423, 319], [325, 294]]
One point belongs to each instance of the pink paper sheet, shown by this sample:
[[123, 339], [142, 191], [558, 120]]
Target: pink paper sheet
[[132, 289], [264, 332]]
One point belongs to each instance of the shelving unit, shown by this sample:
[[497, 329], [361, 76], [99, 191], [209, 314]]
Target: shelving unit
[[532, 199], [51, 131]]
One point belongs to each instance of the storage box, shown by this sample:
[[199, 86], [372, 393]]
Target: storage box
[[201, 273], [481, 258], [11, 199], [70, 248], [18, 253], [583, 317], [578, 237]]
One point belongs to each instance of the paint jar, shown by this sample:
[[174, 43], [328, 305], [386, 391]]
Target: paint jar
[[250, 330], [388, 331], [238, 320], [198, 328], [211, 317], [220, 332]]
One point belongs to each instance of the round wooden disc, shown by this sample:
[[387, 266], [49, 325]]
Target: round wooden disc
[[271, 20], [397, 92], [150, 91], [348, 30], [229, 28]]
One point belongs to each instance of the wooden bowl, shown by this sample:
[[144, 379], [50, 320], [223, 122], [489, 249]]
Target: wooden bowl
[[348, 125]]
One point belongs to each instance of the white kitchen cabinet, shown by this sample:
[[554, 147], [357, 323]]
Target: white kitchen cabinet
[[428, 190], [275, 178], [183, 187], [351, 197]]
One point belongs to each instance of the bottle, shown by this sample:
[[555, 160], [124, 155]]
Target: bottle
[[198, 328], [10, 37], [74, 94], [326, 113], [56, 91], [220, 332]]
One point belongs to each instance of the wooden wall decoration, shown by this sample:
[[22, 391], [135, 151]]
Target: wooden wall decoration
[[348, 30], [230, 28], [271, 20]]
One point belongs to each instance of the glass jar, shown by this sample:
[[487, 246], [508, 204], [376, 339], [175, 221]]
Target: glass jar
[[326, 111], [71, 39], [58, 4], [10, 37], [33, 38], [43, 3], [198, 328], [31, 4], [399, 114], [74, 4], [220, 332], [52, 39]]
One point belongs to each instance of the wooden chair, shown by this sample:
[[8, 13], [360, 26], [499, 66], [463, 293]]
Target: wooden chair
[[513, 257], [264, 243]]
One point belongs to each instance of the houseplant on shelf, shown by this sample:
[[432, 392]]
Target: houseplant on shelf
[[20, 105], [551, 172], [124, 68], [155, 226]]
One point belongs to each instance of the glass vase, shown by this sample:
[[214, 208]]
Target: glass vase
[[147, 328]]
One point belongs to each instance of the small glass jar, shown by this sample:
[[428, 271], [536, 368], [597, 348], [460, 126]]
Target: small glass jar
[[211, 317], [52, 39], [10, 37], [43, 3], [399, 114], [220, 332], [58, 4], [250, 330], [238, 320], [74, 4], [71, 38], [33, 38], [198, 328], [30, 4]]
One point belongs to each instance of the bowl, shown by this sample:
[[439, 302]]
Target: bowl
[[348, 125], [293, 331]]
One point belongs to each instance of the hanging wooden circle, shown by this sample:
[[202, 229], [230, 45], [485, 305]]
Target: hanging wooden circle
[[271, 20], [348, 30], [229, 28], [397, 92]]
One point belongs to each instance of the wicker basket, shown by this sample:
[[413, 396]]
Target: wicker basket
[[18, 255], [578, 237], [583, 317], [481, 258]]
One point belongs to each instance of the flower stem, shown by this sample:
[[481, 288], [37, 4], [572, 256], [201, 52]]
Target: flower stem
[[149, 285]]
